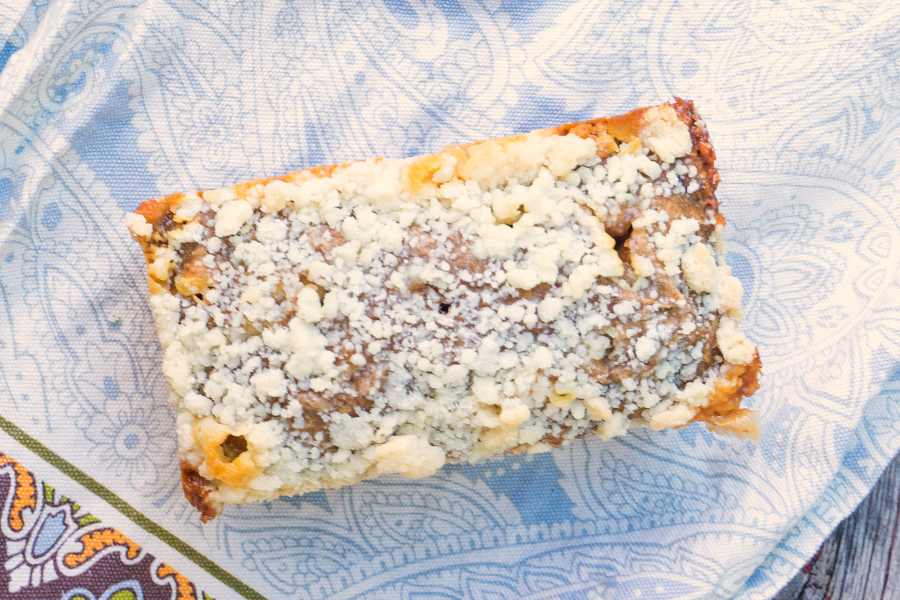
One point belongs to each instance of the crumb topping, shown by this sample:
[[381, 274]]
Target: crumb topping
[[391, 316]]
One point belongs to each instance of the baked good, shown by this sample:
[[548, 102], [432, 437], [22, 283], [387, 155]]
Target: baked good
[[389, 316]]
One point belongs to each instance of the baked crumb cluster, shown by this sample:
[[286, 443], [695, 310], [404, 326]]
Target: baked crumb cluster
[[391, 316]]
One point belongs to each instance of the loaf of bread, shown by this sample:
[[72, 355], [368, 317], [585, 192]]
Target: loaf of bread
[[390, 316]]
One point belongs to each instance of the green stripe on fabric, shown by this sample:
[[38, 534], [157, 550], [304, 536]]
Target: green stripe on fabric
[[129, 511]]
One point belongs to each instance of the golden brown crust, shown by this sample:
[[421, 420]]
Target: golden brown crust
[[229, 458], [196, 490], [156, 210], [723, 413], [607, 132]]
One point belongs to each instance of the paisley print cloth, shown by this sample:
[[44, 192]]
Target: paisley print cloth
[[54, 548], [106, 103]]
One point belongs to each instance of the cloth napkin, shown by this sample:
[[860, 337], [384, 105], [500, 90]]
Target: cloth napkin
[[104, 103]]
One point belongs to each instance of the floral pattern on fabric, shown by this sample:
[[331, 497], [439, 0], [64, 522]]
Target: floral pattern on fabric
[[53, 548]]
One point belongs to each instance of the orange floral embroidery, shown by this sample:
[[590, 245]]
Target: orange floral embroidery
[[95, 541], [25, 493], [184, 586], [22, 494]]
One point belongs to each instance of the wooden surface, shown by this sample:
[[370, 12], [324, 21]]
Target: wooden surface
[[861, 559]]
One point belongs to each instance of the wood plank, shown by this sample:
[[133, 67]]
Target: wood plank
[[861, 558]]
